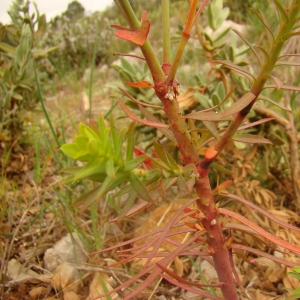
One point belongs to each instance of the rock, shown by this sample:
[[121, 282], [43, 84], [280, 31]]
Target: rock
[[65, 250], [64, 276], [38, 292]]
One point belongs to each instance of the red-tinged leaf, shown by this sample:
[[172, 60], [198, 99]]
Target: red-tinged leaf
[[272, 238], [132, 211], [140, 84], [116, 26], [264, 254], [137, 37], [144, 15], [277, 81], [223, 186], [251, 139], [182, 280], [285, 87], [239, 105], [210, 153], [166, 229], [150, 117], [190, 289], [262, 211], [236, 68], [147, 161], [207, 116], [131, 115], [139, 102]]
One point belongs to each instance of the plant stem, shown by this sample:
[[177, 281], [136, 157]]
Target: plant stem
[[166, 32], [186, 32], [147, 49]]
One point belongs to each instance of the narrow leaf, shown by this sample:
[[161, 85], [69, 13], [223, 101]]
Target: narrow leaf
[[264, 254], [207, 116], [130, 141], [150, 117], [281, 11], [272, 238], [139, 187], [191, 289], [139, 102], [251, 139], [249, 45], [128, 205], [277, 81], [140, 84], [239, 104], [109, 168], [131, 211], [263, 21], [221, 169], [261, 97], [236, 68], [262, 211], [161, 153], [212, 129], [131, 115], [132, 164]]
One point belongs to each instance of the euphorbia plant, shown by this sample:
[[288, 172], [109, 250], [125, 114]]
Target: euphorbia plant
[[149, 176]]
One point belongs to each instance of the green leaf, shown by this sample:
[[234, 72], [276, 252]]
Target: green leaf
[[130, 141], [70, 150], [128, 204], [221, 35], [281, 11], [139, 187], [132, 164], [265, 23], [92, 167], [261, 97], [297, 269], [161, 153], [87, 199], [221, 169], [295, 275], [7, 48], [87, 132], [212, 129], [249, 45], [110, 168]]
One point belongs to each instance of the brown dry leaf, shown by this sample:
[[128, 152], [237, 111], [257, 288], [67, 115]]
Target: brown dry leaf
[[187, 100], [38, 292], [70, 295], [96, 286], [64, 276]]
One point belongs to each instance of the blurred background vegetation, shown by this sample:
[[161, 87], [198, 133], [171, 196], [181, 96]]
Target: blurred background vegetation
[[57, 73]]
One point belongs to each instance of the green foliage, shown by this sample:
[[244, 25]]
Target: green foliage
[[295, 293], [17, 79], [76, 33], [102, 149]]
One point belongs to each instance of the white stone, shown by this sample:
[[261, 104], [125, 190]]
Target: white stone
[[65, 250]]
